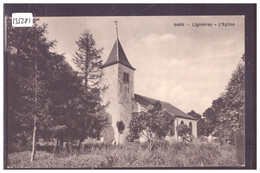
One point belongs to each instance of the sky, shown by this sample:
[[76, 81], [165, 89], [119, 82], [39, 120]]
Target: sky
[[186, 66]]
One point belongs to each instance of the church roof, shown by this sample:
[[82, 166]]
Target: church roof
[[146, 101], [117, 55]]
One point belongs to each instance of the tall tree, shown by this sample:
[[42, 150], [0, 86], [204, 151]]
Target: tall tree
[[88, 60], [64, 92], [232, 115], [28, 51], [227, 113], [34, 72]]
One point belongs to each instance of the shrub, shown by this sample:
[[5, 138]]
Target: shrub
[[184, 132], [194, 154], [154, 124], [183, 129], [20, 142]]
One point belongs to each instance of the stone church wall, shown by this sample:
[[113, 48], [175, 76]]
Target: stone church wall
[[125, 95], [110, 95], [119, 94]]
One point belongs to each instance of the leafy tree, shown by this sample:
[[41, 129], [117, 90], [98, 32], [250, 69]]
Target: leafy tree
[[153, 124], [45, 96], [31, 67], [184, 132], [120, 127], [88, 60], [63, 90], [227, 113], [210, 121], [43, 91], [203, 128], [232, 115], [194, 114]]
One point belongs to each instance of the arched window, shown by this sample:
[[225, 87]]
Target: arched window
[[182, 122], [190, 125]]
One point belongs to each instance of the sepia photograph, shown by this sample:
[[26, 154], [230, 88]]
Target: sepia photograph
[[127, 91]]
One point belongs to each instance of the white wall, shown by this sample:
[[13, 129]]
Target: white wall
[[178, 121]]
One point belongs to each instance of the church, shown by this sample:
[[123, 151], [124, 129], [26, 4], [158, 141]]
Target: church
[[118, 76]]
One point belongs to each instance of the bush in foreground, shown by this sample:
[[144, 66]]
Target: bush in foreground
[[195, 154]]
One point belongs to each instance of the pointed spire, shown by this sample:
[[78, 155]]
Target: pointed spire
[[117, 54]]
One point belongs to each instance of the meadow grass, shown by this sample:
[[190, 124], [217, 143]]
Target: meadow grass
[[133, 155]]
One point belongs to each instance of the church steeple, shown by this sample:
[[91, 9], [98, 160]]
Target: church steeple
[[118, 77], [117, 54]]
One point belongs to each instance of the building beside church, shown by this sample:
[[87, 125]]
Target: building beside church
[[118, 76]]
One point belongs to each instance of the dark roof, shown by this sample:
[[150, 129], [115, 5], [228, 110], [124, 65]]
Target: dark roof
[[117, 55], [146, 101]]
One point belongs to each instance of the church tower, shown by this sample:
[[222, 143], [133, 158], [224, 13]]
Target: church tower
[[118, 77]]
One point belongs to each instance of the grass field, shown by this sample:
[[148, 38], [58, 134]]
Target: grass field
[[195, 154]]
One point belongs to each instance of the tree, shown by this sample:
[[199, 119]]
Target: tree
[[202, 127], [64, 92], [31, 67], [184, 132], [43, 88], [211, 117], [88, 60], [234, 100], [232, 115], [194, 114], [227, 113], [210, 121], [26, 51], [120, 127], [153, 124]]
